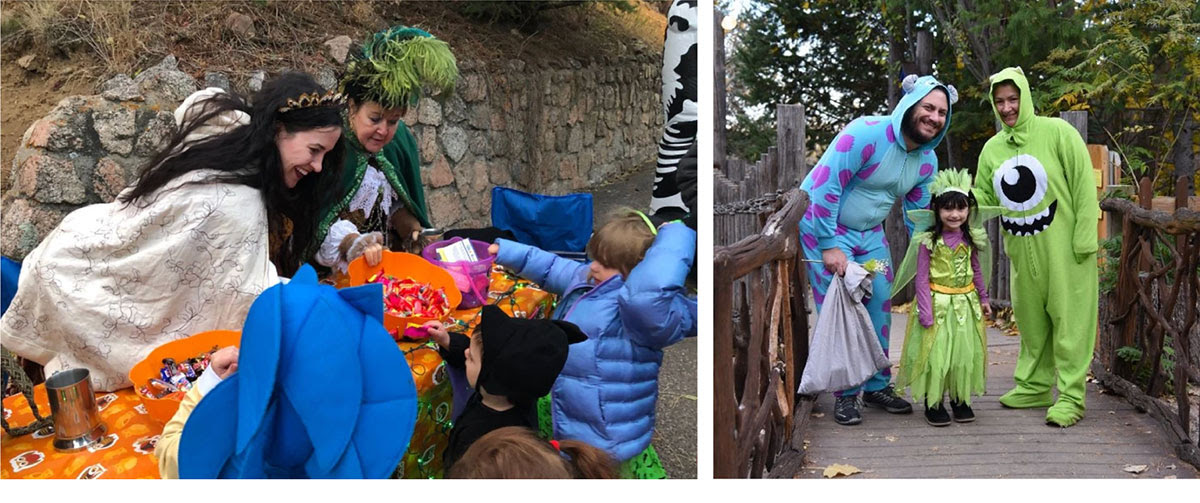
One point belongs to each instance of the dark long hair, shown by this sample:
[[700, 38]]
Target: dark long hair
[[248, 155], [953, 200]]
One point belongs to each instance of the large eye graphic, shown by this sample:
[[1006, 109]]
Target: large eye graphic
[[1020, 183]]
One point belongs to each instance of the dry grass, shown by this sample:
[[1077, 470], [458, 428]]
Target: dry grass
[[122, 36]]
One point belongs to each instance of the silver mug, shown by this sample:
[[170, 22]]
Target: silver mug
[[73, 404]]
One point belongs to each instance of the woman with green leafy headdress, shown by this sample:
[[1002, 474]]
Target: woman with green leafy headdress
[[384, 203]]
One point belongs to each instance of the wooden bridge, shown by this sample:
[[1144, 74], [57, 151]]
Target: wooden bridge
[[1146, 354], [1113, 440]]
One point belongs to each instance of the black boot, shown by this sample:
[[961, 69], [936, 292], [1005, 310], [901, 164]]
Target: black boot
[[962, 412], [937, 416]]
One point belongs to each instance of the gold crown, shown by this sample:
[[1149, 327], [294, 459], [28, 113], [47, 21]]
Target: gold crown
[[313, 100]]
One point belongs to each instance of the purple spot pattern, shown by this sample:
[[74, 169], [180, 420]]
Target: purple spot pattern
[[926, 152], [888, 274], [915, 195], [808, 214], [818, 298], [832, 198], [870, 122], [885, 332], [825, 272], [810, 242], [856, 250], [845, 142], [891, 135], [844, 176], [868, 151], [868, 171], [821, 211], [887, 306], [820, 175], [841, 230], [926, 169]]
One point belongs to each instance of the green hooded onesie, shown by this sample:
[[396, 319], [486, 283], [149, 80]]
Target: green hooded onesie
[[1040, 174]]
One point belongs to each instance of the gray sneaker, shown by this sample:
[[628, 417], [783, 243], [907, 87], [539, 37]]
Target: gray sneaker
[[845, 410]]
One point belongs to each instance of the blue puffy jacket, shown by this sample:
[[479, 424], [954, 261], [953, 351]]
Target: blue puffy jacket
[[606, 392]]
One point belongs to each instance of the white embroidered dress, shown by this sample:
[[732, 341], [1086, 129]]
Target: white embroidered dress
[[112, 282]]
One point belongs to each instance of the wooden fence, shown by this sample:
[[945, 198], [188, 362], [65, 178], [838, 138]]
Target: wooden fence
[[760, 299], [1149, 321]]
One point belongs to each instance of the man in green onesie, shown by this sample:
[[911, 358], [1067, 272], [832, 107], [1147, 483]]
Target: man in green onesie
[[1038, 171]]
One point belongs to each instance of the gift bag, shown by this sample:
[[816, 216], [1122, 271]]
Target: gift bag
[[844, 352]]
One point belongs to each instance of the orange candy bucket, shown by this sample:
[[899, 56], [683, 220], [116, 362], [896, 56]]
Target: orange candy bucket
[[406, 265], [162, 409]]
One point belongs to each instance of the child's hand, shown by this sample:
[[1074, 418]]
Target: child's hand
[[987, 309], [438, 333], [224, 361], [494, 248]]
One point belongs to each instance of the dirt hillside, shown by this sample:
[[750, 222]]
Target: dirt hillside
[[50, 50]]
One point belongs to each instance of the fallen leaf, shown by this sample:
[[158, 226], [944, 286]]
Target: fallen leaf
[[836, 469], [1169, 477], [1135, 468], [1171, 466], [890, 438], [818, 414], [1112, 412]]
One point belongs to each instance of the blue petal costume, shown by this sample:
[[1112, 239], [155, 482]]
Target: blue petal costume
[[853, 187], [321, 391]]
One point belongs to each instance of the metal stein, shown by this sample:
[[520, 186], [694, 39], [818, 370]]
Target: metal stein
[[73, 404]]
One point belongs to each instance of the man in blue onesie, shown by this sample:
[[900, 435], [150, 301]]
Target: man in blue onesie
[[871, 163]]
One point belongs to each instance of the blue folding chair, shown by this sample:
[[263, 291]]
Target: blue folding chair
[[557, 224]]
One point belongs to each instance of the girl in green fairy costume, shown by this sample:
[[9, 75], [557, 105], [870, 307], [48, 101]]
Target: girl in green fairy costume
[[383, 203], [945, 347]]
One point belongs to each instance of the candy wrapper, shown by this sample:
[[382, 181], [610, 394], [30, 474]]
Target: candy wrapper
[[408, 298]]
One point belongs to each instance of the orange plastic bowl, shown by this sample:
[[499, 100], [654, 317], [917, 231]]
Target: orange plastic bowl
[[406, 265], [162, 409]]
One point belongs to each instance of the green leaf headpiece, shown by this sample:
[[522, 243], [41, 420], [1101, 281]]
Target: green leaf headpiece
[[395, 64]]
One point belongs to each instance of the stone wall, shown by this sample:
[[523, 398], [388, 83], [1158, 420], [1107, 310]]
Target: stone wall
[[544, 130]]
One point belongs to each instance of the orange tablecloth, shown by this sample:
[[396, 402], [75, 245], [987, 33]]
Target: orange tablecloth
[[127, 451]]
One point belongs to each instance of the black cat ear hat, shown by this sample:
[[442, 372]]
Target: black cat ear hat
[[522, 358]]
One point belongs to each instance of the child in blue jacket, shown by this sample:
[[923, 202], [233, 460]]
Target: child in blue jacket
[[631, 303]]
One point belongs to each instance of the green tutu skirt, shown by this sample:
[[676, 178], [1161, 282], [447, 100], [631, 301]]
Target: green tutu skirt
[[948, 358], [645, 465]]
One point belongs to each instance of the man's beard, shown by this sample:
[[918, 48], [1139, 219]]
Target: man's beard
[[912, 130]]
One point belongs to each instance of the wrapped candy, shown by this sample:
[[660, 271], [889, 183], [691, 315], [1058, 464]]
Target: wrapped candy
[[408, 298]]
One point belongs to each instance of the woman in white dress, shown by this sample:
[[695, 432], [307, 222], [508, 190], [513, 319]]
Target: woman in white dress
[[219, 215]]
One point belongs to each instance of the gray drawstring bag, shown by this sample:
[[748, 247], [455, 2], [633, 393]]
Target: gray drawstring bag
[[844, 352]]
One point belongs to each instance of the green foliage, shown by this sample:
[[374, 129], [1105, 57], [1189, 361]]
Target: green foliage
[[1129, 354], [827, 55], [1111, 266], [1140, 78]]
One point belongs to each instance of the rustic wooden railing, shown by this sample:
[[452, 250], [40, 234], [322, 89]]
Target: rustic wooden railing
[[760, 338], [1153, 309], [760, 291]]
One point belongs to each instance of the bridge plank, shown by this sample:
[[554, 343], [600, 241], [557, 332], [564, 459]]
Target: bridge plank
[[1001, 443]]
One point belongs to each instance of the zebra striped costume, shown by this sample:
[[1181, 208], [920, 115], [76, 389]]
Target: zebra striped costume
[[679, 96]]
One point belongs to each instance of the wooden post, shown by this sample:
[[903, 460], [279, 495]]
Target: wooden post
[[789, 136], [924, 52], [719, 109], [1078, 120], [724, 400]]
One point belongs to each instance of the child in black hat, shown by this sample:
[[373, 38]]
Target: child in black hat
[[510, 362]]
